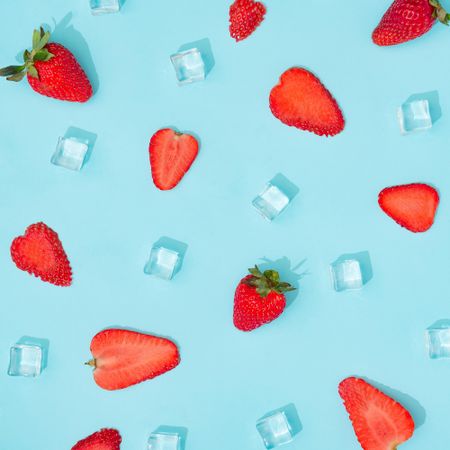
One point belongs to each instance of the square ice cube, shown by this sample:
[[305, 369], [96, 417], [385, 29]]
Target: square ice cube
[[414, 116], [189, 66], [104, 6], [438, 342], [160, 440], [70, 153], [25, 360], [346, 275], [275, 429], [163, 263], [271, 201]]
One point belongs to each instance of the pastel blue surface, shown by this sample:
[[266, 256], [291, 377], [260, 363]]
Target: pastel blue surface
[[109, 214]]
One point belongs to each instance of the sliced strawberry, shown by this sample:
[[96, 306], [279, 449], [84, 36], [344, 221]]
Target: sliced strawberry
[[300, 100], [105, 439], [413, 206], [380, 423], [40, 253], [245, 17], [171, 156], [123, 358]]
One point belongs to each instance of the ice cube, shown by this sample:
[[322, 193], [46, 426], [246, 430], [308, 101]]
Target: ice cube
[[414, 116], [271, 201], [163, 262], [275, 429], [70, 153], [438, 341], [189, 66], [161, 440], [346, 275], [25, 360], [104, 6]]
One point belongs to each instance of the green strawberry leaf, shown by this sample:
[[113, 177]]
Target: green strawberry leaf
[[11, 70], [42, 42], [16, 77], [33, 72], [36, 38], [43, 55]]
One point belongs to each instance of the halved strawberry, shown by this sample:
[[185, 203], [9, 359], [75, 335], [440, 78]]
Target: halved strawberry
[[105, 439], [171, 155], [413, 206], [245, 17], [380, 423], [301, 100], [123, 357], [40, 253]]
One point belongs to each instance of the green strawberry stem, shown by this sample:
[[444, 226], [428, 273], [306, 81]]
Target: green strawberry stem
[[38, 53], [267, 282], [439, 12]]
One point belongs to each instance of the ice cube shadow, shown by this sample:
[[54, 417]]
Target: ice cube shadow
[[43, 343], [416, 410], [65, 34], [442, 323], [291, 414], [181, 431], [364, 261], [285, 185], [433, 103], [287, 273], [85, 136], [204, 46]]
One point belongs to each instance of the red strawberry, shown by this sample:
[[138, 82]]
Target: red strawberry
[[105, 439], [245, 17], [300, 100], [406, 20], [40, 253], [412, 206], [380, 423], [171, 156], [123, 358], [259, 299], [51, 70]]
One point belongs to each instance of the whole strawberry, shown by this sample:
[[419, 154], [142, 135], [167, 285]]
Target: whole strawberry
[[51, 70], [406, 20], [259, 299]]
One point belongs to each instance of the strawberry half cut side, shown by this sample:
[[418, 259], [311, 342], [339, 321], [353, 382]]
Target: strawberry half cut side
[[123, 358], [40, 253], [379, 422], [300, 100], [412, 206]]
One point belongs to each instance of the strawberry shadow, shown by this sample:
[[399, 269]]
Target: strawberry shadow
[[287, 273], [65, 34], [182, 432], [44, 344], [416, 410]]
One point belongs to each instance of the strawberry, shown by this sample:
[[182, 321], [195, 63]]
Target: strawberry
[[123, 358], [171, 155], [259, 299], [51, 70], [300, 100], [40, 253], [105, 439], [406, 20], [245, 17], [380, 423], [412, 206]]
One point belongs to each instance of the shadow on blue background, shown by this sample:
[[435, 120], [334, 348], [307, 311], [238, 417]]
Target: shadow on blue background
[[285, 185], [43, 343], [204, 46]]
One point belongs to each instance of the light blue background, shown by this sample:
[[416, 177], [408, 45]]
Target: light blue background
[[110, 213]]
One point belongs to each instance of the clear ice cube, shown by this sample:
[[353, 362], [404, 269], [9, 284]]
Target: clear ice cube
[[104, 6], [160, 440], [189, 66], [275, 429], [346, 275], [414, 116], [25, 360], [70, 153], [271, 201], [163, 262], [438, 341]]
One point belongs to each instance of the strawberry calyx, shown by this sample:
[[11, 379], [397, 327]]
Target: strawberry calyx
[[38, 53], [266, 282], [439, 12], [91, 363]]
